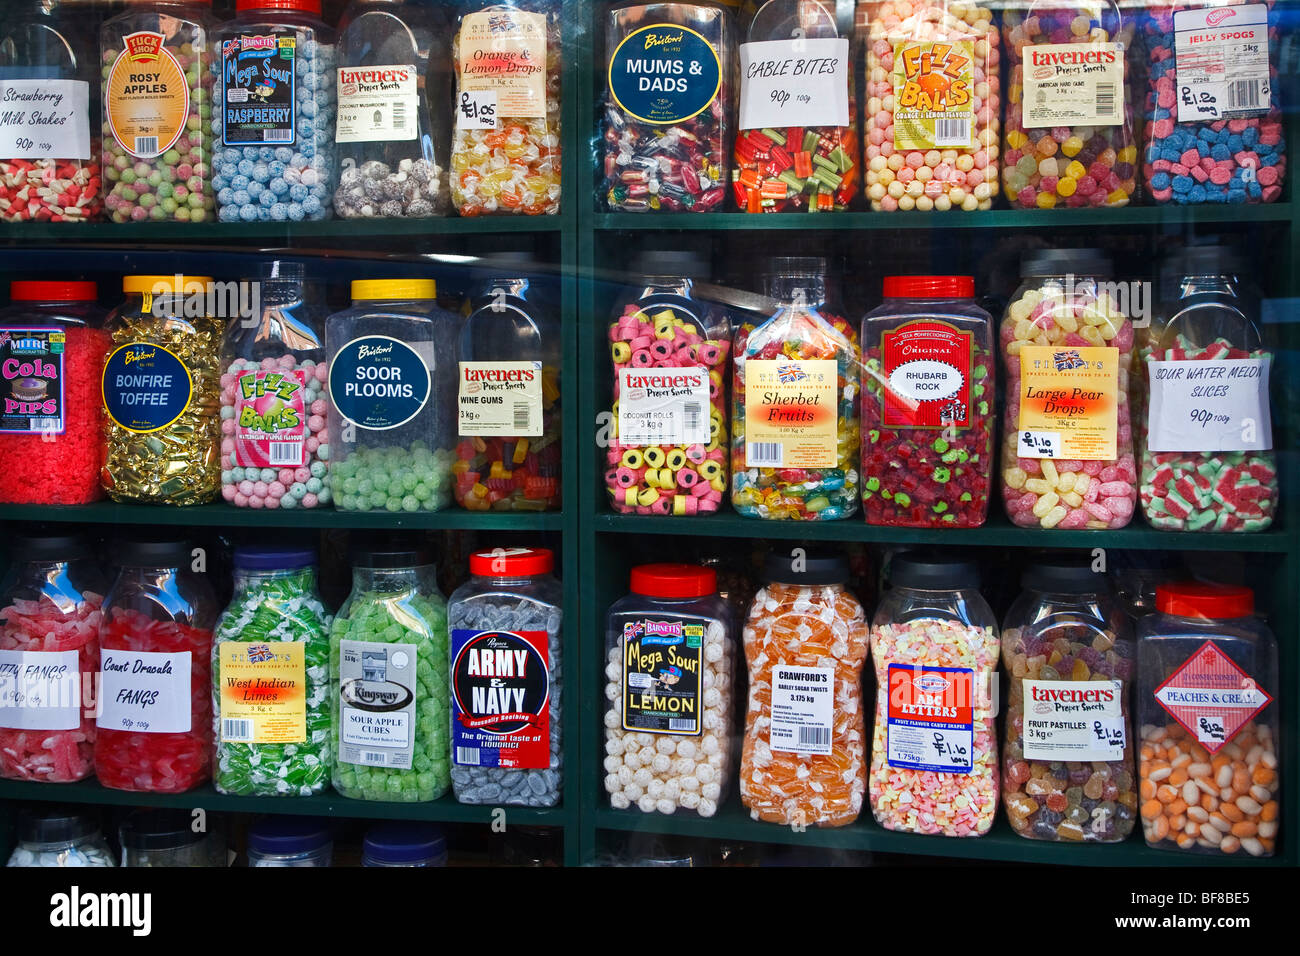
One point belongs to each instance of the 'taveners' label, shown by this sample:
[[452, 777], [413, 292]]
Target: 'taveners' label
[[1221, 62], [803, 709], [500, 399], [377, 698], [794, 82], [270, 419], [31, 380], [147, 97], [663, 406], [933, 94], [1211, 696], [40, 690], [1073, 720], [145, 692], [263, 692], [791, 413], [504, 51], [1073, 84], [378, 383], [378, 104], [927, 370], [664, 74], [1210, 405], [43, 118], [1069, 402], [662, 662], [258, 80], [145, 387], [501, 699], [930, 719]]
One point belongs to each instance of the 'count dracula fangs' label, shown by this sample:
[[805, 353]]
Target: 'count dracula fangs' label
[[145, 692], [664, 74], [663, 406], [1211, 696], [378, 382], [146, 387], [662, 661], [500, 399], [931, 718], [31, 380], [1073, 720], [377, 687], [927, 367], [501, 700], [258, 82]]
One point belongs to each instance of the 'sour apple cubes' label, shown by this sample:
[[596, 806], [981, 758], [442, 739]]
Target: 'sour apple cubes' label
[[800, 82], [377, 689]]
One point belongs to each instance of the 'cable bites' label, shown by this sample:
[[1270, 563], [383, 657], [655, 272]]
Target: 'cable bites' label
[[662, 662], [927, 369], [501, 713]]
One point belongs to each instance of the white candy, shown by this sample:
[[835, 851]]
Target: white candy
[[647, 804], [619, 801], [612, 783], [632, 760], [634, 791], [662, 763], [655, 789], [665, 745], [643, 776]]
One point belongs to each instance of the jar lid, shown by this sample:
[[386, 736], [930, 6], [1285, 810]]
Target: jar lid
[[374, 290], [399, 843], [288, 835], [1059, 262], [282, 270], [673, 580], [389, 558], [54, 826], [814, 266], [672, 262], [274, 559], [171, 553], [927, 572], [158, 830], [1213, 601], [49, 547], [511, 562], [33, 290], [1065, 574], [807, 569], [929, 287], [174, 284], [1202, 261], [301, 6]]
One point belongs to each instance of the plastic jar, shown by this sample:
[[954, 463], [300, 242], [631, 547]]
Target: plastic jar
[[668, 661], [927, 418], [934, 755], [50, 603], [1207, 463], [290, 841], [155, 718], [162, 389], [404, 844], [394, 81], [666, 128], [157, 149], [59, 837], [274, 132], [505, 151], [270, 678], [52, 349], [1207, 683], [163, 837], [507, 680], [1067, 465], [392, 391], [388, 660]]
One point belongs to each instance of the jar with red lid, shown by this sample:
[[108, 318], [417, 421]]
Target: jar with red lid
[[668, 687], [928, 381]]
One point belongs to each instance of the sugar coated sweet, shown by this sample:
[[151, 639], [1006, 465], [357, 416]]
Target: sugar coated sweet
[[395, 478], [50, 190]]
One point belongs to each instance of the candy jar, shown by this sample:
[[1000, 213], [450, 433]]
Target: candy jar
[[666, 132], [156, 61], [1067, 760], [290, 841], [1207, 438], [932, 113], [934, 641], [507, 680], [803, 761], [927, 415], [794, 404], [162, 388], [270, 678], [50, 610], [388, 680], [274, 440], [668, 660], [405, 844], [155, 640], [505, 152], [57, 838], [394, 83], [52, 349], [796, 133], [392, 392], [165, 837], [1207, 680], [274, 130], [1067, 450]]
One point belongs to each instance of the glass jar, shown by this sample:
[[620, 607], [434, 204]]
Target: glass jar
[[270, 678], [274, 133], [388, 678], [59, 837], [1207, 684], [1068, 750], [392, 390], [290, 841], [162, 389], [164, 837], [52, 349], [507, 680], [274, 413], [1067, 461], [157, 150], [154, 730], [50, 611], [927, 419], [404, 844], [934, 754], [668, 672]]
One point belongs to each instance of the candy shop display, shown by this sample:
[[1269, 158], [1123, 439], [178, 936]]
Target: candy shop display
[[161, 389], [506, 680], [505, 151], [56, 838], [668, 672], [52, 349], [154, 726], [392, 392], [270, 678], [50, 613], [273, 133], [933, 106], [934, 642], [404, 844], [290, 841], [156, 59], [804, 756], [166, 837], [390, 707], [1207, 682], [667, 116], [1067, 759], [1067, 450], [928, 377], [274, 412]]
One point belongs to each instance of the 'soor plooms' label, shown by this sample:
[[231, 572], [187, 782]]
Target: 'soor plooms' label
[[1073, 720], [31, 380], [791, 414], [1221, 62], [1073, 84], [378, 383], [927, 370], [501, 704], [377, 699], [378, 104], [500, 399], [1069, 402], [145, 692], [504, 51], [803, 709], [934, 95], [40, 690], [662, 662], [930, 718], [788, 82], [263, 692], [663, 406], [1210, 405]]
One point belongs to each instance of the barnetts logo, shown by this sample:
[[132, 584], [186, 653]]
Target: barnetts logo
[[75, 909]]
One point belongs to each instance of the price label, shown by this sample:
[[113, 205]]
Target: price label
[[477, 110], [1039, 445]]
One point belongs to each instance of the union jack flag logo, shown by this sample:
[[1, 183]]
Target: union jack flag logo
[[259, 653], [790, 373], [4, 337], [1069, 359], [499, 23]]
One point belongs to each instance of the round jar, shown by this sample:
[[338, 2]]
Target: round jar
[[163, 838], [57, 838], [290, 841], [404, 844]]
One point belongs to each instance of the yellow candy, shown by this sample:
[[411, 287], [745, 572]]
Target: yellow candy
[[647, 497], [1092, 335], [654, 457], [1117, 198], [1072, 147], [1049, 472], [1072, 499], [1065, 481], [1053, 517], [1127, 155], [1038, 486], [521, 451], [1046, 503], [630, 498], [1066, 186], [1017, 139], [632, 459], [1045, 201], [1014, 477], [1076, 170]]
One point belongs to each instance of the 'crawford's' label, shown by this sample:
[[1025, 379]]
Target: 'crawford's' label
[[501, 701], [500, 399], [31, 380], [662, 662], [1073, 720], [663, 406], [377, 699]]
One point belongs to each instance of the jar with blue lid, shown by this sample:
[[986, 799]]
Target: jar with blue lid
[[404, 844], [290, 841]]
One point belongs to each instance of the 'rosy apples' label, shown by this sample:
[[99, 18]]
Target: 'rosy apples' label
[[791, 418], [147, 96], [1211, 696], [40, 690], [927, 370], [270, 419], [145, 692], [1073, 720], [930, 718]]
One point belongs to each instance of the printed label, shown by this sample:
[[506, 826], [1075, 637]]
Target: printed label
[[1211, 405], [1211, 696], [147, 96], [501, 699], [803, 709], [794, 82], [270, 419], [378, 383], [791, 418], [263, 692], [504, 51], [144, 692], [1069, 402], [930, 718], [44, 118], [1073, 84], [662, 662], [378, 104], [663, 406], [664, 74], [40, 690], [145, 387], [1073, 720], [934, 105], [377, 698], [927, 369], [1221, 62], [501, 398], [258, 82], [31, 380]]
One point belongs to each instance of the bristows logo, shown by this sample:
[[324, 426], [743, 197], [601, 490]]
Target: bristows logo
[[143, 47], [654, 632], [373, 79], [1215, 17], [653, 39], [500, 682], [134, 354], [935, 78]]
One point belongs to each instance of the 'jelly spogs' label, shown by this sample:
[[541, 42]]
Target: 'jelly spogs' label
[[1210, 405], [803, 709], [31, 380], [377, 686], [145, 387], [270, 419], [1221, 62], [1211, 696], [500, 399], [145, 692], [663, 406], [1069, 402], [501, 697], [934, 103], [927, 369], [662, 662], [504, 51], [664, 74], [258, 83], [147, 97], [40, 690], [263, 692], [794, 82], [378, 104], [44, 118], [931, 718], [379, 383], [1073, 720], [1073, 84], [790, 413]]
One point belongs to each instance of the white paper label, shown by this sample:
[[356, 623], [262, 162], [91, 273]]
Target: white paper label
[[1032, 444], [1073, 720], [144, 692], [377, 691], [378, 104], [45, 119], [663, 406], [360, 729], [794, 83], [803, 709], [1211, 405], [1221, 62], [500, 399], [1073, 84], [477, 109], [40, 690]]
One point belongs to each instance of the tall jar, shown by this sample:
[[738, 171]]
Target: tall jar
[[162, 389], [1067, 449], [155, 696], [157, 150], [389, 708], [50, 610], [59, 838], [166, 837]]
